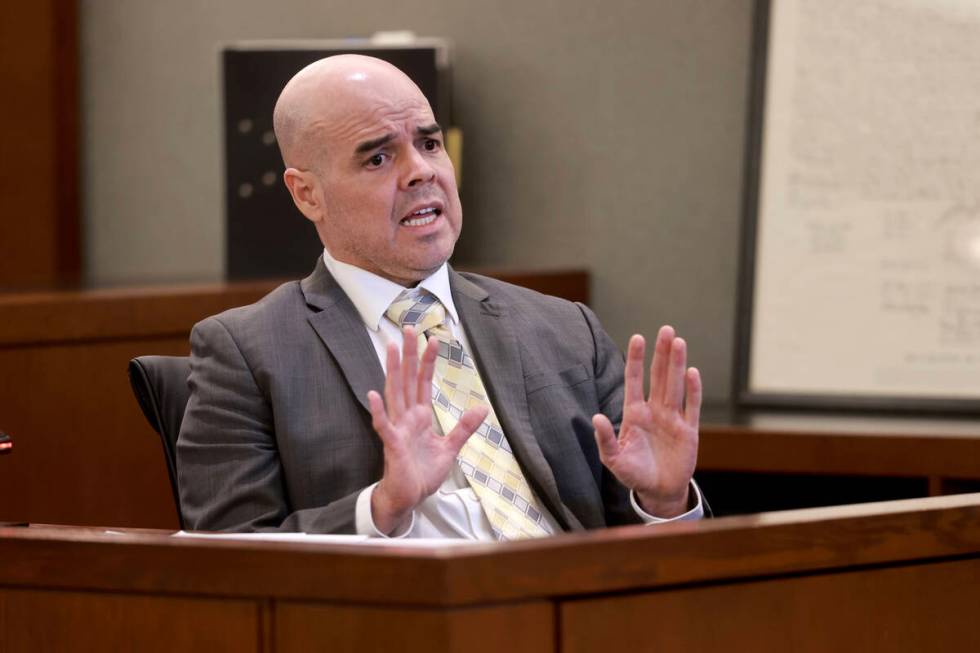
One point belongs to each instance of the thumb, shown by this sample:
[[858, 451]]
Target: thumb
[[605, 438], [468, 423]]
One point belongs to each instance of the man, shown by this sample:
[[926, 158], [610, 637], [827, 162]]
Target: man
[[321, 409]]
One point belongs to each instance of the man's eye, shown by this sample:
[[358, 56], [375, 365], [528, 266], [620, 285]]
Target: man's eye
[[431, 145], [376, 161]]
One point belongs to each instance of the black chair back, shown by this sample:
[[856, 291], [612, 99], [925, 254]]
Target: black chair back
[[160, 386]]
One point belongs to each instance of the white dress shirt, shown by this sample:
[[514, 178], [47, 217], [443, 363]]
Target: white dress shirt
[[454, 509]]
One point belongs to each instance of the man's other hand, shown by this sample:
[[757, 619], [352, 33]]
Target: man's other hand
[[657, 447], [416, 458]]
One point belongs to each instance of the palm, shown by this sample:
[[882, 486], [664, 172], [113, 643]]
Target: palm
[[422, 457], [656, 450], [416, 459]]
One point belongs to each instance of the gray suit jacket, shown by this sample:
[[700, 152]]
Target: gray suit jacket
[[277, 433]]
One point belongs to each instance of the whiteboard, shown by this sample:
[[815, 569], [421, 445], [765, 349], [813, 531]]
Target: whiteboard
[[863, 217]]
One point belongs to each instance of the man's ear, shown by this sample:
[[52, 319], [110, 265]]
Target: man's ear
[[305, 189]]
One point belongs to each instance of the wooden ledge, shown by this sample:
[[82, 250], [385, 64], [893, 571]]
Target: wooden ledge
[[161, 311], [679, 554]]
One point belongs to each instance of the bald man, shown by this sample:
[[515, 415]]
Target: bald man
[[312, 410]]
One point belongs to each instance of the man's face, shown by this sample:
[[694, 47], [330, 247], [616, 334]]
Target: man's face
[[389, 198]]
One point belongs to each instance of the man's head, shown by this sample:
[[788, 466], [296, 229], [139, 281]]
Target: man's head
[[366, 163]]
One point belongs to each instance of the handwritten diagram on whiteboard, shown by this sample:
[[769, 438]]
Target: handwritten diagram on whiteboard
[[866, 257]]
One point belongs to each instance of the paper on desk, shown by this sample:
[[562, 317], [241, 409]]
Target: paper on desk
[[316, 538]]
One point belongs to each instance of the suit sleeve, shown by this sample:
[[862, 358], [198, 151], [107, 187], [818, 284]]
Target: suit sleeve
[[609, 368], [229, 473]]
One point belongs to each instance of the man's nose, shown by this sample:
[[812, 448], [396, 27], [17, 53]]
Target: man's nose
[[418, 170]]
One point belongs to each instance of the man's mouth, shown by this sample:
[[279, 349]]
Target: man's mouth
[[421, 217]]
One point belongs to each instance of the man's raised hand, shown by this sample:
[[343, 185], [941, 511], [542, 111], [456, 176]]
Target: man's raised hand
[[657, 446], [416, 458]]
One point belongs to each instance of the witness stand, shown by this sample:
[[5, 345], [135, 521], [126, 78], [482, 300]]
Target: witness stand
[[896, 576]]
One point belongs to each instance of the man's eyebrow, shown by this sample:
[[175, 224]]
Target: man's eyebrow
[[428, 130], [374, 143]]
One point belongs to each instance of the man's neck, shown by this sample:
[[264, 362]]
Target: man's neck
[[372, 293]]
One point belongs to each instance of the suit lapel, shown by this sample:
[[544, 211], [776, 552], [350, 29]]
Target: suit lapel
[[495, 348], [341, 329]]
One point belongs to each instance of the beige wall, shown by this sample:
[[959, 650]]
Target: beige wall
[[608, 135]]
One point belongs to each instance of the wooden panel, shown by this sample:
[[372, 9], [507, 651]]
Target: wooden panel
[[897, 576], [916, 608], [39, 224], [760, 441], [114, 314], [83, 452], [398, 575], [873, 454], [43, 622], [512, 628], [57, 316]]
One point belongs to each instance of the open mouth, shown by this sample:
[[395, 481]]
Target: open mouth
[[421, 217]]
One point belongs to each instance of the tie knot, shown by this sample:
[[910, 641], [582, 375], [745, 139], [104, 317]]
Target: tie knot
[[420, 309]]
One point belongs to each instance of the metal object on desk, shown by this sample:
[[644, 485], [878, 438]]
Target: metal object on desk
[[6, 446]]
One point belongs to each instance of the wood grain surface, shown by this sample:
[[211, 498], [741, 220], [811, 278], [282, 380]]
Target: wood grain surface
[[898, 576], [77, 621], [515, 628], [911, 608], [760, 441], [610, 560], [39, 166]]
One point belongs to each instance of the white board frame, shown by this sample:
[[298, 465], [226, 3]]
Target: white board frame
[[775, 392]]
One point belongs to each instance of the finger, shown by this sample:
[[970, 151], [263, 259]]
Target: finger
[[674, 393], [605, 438], [394, 399], [410, 363], [658, 367], [379, 419], [467, 425], [692, 407], [633, 380], [426, 370]]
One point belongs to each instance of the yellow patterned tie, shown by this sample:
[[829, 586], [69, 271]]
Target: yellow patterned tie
[[486, 459]]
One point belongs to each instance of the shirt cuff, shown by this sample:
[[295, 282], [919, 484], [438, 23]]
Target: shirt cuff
[[697, 512], [364, 521]]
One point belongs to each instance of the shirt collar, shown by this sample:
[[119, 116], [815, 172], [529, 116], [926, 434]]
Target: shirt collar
[[372, 294]]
